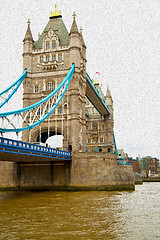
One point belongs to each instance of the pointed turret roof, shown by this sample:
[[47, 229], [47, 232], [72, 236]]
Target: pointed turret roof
[[56, 24], [28, 35], [108, 93], [83, 43], [74, 28]]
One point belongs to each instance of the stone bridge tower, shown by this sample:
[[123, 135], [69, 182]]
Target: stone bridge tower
[[48, 61]]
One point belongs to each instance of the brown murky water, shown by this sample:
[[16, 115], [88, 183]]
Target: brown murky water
[[81, 215]]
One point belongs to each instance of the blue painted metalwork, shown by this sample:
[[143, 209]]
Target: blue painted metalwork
[[67, 78], [115, 146], [96, 149], [87, 114], [124, 163], [18, 82], [18, 147], [103, 102]]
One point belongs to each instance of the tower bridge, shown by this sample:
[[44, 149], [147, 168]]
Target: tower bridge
[[59, 97]]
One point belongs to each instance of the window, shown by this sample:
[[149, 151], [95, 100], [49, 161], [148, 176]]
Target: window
[[50, 86], [47, 58], [54, 57], [86, 127], [95, 127], [89, 140], [92, 110], [95, 140], [36, 89], [47, 45], [60, 57], [101, 140], [53, 44], [102, 126], [41, 59], [59, 110]]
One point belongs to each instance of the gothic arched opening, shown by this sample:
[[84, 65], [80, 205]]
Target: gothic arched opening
[[44, 136], [55, 139]]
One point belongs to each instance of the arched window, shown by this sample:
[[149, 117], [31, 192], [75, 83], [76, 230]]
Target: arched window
[[50, 86], [53, 44], [47, 45]]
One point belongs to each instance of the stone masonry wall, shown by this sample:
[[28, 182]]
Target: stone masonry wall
[[100, 170], [6, 174]]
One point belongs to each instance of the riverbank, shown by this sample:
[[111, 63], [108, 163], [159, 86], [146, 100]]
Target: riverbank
[[151, 179]]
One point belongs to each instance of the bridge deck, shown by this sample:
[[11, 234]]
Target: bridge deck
[[17, 151], [95, 98]]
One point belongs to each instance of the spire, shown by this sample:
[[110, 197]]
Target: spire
[[28, 35], [83, 43], [74, 28], [108, 93]]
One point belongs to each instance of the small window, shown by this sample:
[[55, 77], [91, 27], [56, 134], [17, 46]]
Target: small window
[[89, 140], [60, 57], [36, 89], [54, 57], [59, 110], [47, 45], [50, 86], [41, 59], [95, 140], [95, 127], [47, 58], [101, 140], [92, 110], [102, 126], [53, 44], [86, 127]]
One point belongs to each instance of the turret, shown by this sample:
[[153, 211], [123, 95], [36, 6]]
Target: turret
[[109, 99], [27, 49], [75, 44], [83, 44]]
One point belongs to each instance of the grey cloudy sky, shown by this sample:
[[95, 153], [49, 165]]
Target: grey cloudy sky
[[123, 44]]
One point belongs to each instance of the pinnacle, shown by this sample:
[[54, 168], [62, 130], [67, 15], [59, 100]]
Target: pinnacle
[[74, 28], [108, 93], [83, 43], [28, 35]]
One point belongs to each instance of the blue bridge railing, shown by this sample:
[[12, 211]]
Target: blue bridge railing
[[19, 147]]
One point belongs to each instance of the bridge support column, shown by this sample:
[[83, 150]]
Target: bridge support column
[[77, 127]]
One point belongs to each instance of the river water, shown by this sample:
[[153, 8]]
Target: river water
[[81, 215]]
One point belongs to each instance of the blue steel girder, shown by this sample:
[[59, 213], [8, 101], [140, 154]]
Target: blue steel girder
[[33, 112], [14, 147], [94, 97], [13, 87]]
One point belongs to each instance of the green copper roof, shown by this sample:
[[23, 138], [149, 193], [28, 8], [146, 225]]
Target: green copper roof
[[54, 24]]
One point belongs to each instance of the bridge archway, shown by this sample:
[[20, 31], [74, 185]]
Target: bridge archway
[[53, 139], [44, 136]]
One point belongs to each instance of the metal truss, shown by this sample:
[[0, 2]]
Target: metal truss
[[9, 92], [33, 115]]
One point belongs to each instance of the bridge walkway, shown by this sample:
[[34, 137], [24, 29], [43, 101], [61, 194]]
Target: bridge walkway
[[18, 151]]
